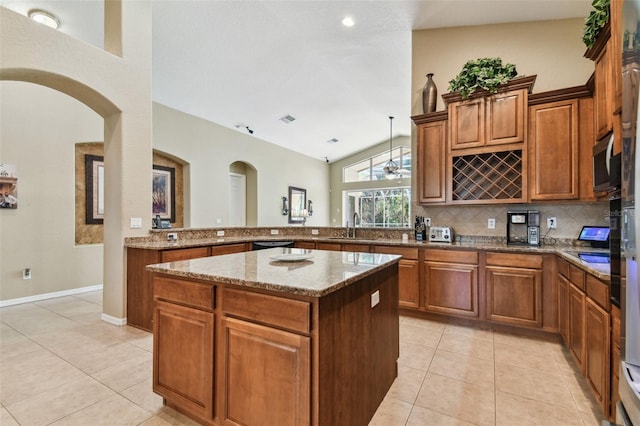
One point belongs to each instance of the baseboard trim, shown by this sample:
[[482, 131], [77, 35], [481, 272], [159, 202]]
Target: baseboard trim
[[113, 320], [39, 297]]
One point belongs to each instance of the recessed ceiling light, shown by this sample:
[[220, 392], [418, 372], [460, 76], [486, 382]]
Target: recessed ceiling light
[[44, 17], [348, 21]]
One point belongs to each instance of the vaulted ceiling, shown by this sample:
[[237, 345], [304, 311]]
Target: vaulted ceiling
[[248, 63]]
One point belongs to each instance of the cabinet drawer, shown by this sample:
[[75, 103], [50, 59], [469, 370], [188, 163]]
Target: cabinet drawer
[[453, 256], [184, 254], [563, 267], [406, 253], [576, 276], [515, 260], [329, 246], [185, 292], [228, 249], [305, 245], [356, 247], [286, 313], [598, 291]]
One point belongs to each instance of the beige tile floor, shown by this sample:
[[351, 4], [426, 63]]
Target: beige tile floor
[[61, 365]]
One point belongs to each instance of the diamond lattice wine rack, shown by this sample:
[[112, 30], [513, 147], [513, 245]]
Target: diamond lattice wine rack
[[487, 177]]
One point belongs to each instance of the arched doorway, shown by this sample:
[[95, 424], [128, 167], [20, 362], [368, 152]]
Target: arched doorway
[[243, 194]]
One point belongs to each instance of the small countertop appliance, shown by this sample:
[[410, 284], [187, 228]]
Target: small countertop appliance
[[440, 234], [523, 227]]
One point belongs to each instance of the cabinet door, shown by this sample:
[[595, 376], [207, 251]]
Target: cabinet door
[[514, 296], [467, 123], [553, 151], [451, 288], [228, 249], [267, 375], [431, 158], [184, 254], [183, 357], [603, 112], [505, 120], [409, 283], [576, 324], [563, 308], [597, 352]]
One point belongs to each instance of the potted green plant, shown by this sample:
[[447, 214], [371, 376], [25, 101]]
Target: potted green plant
[[483, 73], [595, 21]]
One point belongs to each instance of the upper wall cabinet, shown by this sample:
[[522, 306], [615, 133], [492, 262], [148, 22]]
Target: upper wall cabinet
[[487, 119], [431, 156]]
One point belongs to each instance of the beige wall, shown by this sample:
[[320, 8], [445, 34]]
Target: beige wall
[[553, 51], [210, 149]]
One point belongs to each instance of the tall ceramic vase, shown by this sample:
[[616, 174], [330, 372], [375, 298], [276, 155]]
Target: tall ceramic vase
[[429, 95]]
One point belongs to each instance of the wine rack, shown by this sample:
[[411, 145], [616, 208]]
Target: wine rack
[[486, 177]]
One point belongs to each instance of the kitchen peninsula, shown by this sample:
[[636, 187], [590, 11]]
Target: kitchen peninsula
[[255, 338]]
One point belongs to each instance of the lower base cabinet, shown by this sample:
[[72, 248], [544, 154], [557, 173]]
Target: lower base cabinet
[[563, 312], [451, 282], [267, 375], [576, 325], [597, 343], [182, 371]]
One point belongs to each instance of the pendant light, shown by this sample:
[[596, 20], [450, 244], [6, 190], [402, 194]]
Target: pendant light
[[391, 167]]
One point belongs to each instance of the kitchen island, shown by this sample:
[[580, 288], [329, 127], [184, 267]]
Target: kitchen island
[[260, 338]]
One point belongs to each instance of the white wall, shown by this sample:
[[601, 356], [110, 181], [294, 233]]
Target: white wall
[[39, 129], [210, 148]]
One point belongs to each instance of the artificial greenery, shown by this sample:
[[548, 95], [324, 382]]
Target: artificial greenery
[[483, 73], [596, 20]]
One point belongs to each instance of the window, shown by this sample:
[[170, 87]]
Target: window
[[383, 208], [372, 168]]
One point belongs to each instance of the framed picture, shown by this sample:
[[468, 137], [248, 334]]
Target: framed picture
[[164, 192], [94, 189], [8, 186]]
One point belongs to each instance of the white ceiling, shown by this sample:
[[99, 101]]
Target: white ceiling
[[251, 62]]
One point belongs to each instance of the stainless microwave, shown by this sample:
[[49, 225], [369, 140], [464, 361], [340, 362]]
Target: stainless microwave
[[602, 153]]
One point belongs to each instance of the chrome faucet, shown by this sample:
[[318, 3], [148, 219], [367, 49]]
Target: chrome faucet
[[355, 221]]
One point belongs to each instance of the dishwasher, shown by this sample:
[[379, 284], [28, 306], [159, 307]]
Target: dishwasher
[[261, 245]]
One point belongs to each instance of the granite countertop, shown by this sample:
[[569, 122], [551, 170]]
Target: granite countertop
[[567, 252], [323, 273]]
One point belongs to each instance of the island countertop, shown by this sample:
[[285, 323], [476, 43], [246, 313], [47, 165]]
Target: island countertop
[[322, 273]]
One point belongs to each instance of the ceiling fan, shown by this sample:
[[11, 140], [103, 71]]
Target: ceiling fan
[[391, 168]]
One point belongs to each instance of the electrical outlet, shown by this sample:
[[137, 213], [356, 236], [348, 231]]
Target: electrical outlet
[[314, 232], [427, 221], [375, 298], [274, 232], [172, 236], [218, 221], [26, 274], [491, 223], [552, 222], [220, 233]]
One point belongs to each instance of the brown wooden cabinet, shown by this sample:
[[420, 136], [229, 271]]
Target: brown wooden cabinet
[[310, 245], [229, 249], [182, 370], [563, 308], [491, 120], [603, 94], [597, 362], [431, 155], [451, 282], [514, 289], [577, 325], [408, 274], [615, 359], [267, 375], [553, 151]]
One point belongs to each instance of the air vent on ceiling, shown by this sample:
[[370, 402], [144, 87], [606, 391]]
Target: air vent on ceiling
[[332, 140], [287, 119]]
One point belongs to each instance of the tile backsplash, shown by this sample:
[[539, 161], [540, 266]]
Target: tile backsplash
[[472, 220]]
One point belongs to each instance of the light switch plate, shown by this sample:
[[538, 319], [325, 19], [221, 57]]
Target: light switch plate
[[136, 223], [491, 223], [274, 232], [314, 232]]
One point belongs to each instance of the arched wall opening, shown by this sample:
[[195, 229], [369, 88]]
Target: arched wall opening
[[251, 189]]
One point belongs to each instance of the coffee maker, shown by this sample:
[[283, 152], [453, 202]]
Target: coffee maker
[[523, 227]]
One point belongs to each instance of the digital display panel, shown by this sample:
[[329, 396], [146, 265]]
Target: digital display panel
[[594, 233]]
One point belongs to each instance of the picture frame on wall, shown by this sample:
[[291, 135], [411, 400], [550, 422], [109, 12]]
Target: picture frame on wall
[[164, 192], [8, 186], [94, 189]]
